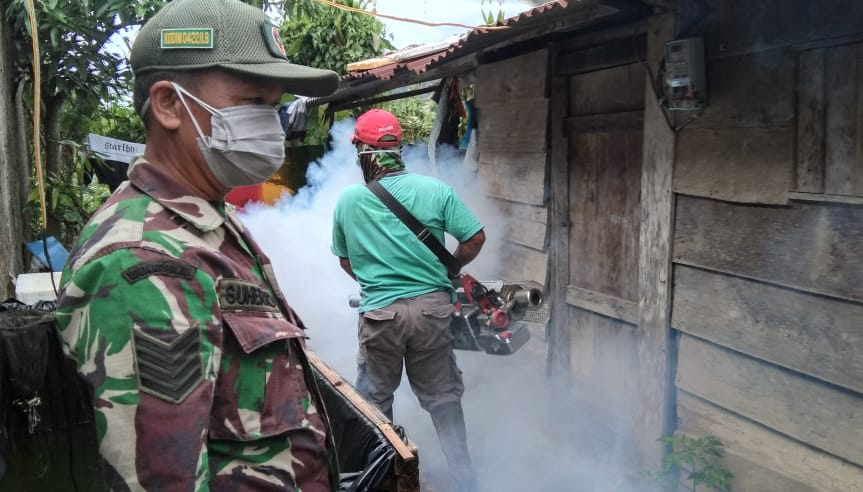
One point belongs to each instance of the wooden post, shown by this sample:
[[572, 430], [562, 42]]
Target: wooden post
[[558, 365], [655, 412]]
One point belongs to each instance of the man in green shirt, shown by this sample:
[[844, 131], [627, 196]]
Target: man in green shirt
[[407, 295]]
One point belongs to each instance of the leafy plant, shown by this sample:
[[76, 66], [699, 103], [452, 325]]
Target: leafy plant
[[416, 116], [70, 196], [117, 120], [77, 72], [490, 17], [698, 458], [323, 36]]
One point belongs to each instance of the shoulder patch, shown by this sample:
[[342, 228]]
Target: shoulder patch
[[187, 38], [273, 40], [241, 295], [164, 267]]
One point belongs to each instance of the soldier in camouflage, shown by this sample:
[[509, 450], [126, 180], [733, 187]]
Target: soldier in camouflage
[[168, 306]]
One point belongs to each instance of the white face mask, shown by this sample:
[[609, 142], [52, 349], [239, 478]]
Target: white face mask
[[247, 144]]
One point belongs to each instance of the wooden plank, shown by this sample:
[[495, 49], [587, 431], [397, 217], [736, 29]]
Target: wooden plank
[[616, 371], [841, 147], [406, 451], [579, 40], [525, 263], [763, 460], [559, 340], [520, 211], [811, 110], [613, 54], [607, 91], [654, 408], [821, 197], [812, 247], [818, 414], [514, 176], [605, 366], [750, 91], [858, 165], [603, 304], [746, 26], [815, 335], [625, 120], [513, 79], [747, 165], [527, 233], [581, 340], [605, 189], [514, 126]]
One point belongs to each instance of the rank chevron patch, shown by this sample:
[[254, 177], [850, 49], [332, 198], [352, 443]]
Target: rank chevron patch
[[168, 370]]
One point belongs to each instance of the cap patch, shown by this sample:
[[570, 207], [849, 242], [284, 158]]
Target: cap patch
[[273, 40], [187, 38]]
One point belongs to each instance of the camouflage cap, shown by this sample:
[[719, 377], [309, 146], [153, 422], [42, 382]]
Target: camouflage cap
[[228, 34]]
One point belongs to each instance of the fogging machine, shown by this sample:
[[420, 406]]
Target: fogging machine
[[485, 318], [490, 319], [491, 316]]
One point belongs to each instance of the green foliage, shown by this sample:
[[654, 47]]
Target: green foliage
[[116, 120], [325, 37], [416, 115], [70, 197], [698, 458], [72, 35], [77, 72], [490, 17]]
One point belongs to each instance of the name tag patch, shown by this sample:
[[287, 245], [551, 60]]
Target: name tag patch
[[246, 296], [163, 267], [187, 38]]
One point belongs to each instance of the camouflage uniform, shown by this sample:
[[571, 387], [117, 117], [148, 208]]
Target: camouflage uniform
[[174, 317]]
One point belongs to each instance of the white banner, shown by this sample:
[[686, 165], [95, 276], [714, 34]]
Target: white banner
[[113, 149]]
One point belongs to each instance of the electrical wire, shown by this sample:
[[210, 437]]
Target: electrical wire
[[331, 3]]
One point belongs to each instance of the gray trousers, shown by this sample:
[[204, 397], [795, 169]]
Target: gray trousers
[[413, 333]]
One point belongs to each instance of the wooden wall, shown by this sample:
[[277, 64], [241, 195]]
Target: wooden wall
[[512, 107], [768, 246]]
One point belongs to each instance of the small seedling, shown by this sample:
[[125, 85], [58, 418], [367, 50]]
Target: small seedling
[[698, 457]]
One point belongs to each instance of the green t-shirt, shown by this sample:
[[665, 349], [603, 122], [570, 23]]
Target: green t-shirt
[[390, 263]]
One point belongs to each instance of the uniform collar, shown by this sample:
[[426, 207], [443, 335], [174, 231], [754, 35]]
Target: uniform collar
[[152, 180]]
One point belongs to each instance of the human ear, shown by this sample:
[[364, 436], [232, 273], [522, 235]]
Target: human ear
[[165, 107]]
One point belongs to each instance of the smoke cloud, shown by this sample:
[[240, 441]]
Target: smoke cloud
[[524, 434]]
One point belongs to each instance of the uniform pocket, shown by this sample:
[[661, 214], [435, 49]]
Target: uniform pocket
[[435, 328], [379, 315], [260, 387], [441, 312]]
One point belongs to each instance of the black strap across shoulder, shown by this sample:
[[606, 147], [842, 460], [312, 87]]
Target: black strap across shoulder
[[422, 233]]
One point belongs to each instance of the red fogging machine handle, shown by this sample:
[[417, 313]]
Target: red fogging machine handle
[[479, 294]]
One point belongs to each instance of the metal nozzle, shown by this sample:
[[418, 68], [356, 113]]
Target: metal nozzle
[[519, 299]]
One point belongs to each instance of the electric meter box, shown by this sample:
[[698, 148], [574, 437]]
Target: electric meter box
[[685, 81]]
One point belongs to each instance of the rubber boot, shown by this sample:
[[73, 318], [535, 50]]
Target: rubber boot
[[448, 420]]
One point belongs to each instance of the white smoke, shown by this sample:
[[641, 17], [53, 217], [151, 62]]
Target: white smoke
[[523, 434]]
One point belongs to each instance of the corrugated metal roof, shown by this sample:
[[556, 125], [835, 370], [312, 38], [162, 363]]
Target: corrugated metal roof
[[474, 38]]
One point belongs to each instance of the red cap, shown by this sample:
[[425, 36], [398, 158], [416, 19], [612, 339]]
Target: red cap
[[377, 124]]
